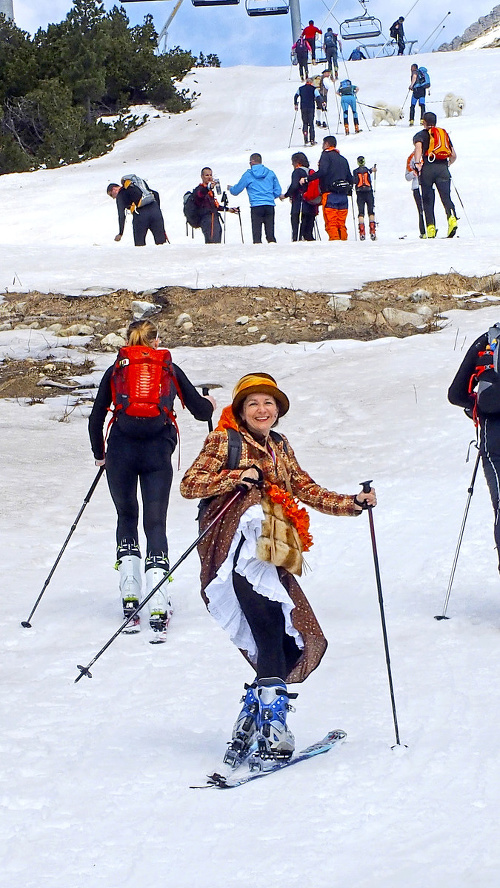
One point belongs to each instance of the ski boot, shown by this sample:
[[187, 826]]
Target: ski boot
[[452, 225], [160, 606], [431, 231], [346, 128], [245, 728], [128, 563], [373, 231], [362, 230], [275, 741], [356, 128]]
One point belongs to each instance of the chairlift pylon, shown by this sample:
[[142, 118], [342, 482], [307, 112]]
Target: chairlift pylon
[[362, 26], [267, 7]]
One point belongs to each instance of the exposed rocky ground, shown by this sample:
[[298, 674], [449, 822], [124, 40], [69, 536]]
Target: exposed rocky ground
[[229, 316]]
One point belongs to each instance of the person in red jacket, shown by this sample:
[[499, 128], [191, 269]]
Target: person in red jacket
[[309, 33]]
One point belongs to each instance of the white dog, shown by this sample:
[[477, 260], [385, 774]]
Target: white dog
[[390, 113], [453, 105]]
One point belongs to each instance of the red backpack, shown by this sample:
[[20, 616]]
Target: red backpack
[[312, 194], [143, 382]]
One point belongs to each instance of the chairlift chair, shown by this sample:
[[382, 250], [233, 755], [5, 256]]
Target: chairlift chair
[[215, 2], [267, 7], [362, 27]]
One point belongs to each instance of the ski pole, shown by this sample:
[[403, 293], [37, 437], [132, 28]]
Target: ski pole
[[354, 219], [26, 623], [461, 204], [85, 670], [366, 489], [205, 390], [241, 225], [293, 127], [470, 491]]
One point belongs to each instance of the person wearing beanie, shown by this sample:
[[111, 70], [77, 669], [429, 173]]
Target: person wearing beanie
[[365, 197], [251, 556]]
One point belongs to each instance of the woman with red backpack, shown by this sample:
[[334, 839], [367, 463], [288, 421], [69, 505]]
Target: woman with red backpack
[[142, 385], [303, 213]]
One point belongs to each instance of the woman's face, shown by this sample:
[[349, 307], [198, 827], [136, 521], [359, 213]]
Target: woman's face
[[259, 413]]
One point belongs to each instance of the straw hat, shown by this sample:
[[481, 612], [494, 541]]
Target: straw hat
[[259, 382]]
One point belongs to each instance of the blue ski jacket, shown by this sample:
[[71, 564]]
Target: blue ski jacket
[[262, 186]]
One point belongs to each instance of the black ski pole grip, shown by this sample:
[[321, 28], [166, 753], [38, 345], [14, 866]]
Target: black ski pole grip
[[206, 391], [367, 486]]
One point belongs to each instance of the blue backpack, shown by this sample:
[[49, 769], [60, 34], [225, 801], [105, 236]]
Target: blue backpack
[[346, 88], [423, 78]]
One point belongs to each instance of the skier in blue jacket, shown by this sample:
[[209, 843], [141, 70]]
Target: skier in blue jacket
[[263, 188]]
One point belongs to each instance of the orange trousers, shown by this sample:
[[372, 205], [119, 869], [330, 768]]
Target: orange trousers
[[334, 221]]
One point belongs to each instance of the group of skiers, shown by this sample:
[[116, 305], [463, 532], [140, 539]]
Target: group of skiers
[[305, 46]]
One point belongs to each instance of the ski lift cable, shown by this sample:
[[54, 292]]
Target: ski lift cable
[[434, 31]]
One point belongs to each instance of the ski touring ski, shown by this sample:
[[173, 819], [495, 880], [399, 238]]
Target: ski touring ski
[[224, 781]]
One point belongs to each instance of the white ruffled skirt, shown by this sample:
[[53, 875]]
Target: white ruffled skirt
[[262, 576]]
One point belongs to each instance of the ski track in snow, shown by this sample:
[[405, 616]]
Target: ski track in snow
[[95, 779]]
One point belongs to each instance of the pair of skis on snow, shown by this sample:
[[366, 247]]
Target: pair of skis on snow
[[241, 775]]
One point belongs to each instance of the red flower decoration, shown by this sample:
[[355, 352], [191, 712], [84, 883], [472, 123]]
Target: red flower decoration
[[296, 514]]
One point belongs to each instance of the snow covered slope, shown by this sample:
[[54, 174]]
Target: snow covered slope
[[58, 228], [95, 780]]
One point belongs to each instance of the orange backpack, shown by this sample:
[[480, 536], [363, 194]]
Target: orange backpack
[[439, 144]]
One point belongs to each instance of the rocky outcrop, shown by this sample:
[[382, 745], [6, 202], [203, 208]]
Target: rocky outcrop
[[484, 24]]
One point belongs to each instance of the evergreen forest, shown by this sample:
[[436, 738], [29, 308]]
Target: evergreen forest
[[67, 93]]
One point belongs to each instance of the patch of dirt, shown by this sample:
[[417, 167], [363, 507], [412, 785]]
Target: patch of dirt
[[37, 380], [235, 316]]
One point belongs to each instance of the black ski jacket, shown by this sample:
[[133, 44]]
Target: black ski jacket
[[332, 168], [458, 394], [128, 197]]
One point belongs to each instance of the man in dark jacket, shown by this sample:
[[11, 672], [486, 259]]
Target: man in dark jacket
[[307, 95], [208, 207], [397, 32], [335, 182], [144, 204], [483, 404]]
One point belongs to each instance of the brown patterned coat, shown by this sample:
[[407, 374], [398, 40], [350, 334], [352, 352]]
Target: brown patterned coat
[[209, 477]]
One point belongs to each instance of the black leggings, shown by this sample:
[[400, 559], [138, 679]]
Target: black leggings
[[277, 652], [147, 460]]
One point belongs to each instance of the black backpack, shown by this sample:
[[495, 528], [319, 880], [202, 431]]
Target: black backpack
[[485, 379], [330, 40], [191, 211], [394, 31]]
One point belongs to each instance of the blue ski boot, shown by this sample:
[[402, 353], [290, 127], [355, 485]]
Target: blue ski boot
[[245, 728], [275, 741]]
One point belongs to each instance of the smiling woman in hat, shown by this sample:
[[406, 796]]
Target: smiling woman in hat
[[250, 556]]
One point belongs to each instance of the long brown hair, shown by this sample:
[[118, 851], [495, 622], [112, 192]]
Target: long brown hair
[[142, 333]]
